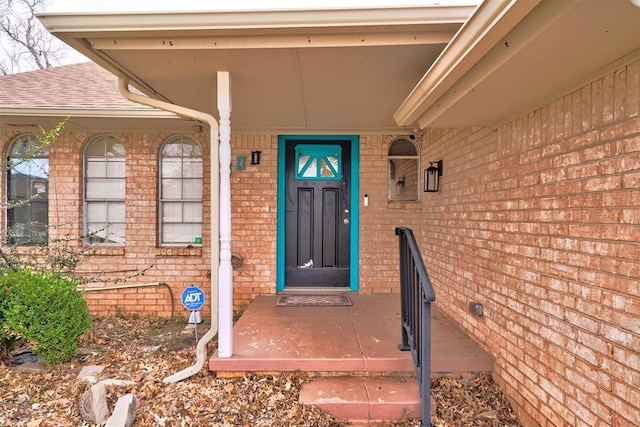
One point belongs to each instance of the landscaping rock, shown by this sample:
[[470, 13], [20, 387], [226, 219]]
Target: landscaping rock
[[21, 357], [90, 372], [32, 368], [93, 404], [124, 413]]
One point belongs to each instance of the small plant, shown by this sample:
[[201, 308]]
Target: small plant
[[180, 320], [47, 310]]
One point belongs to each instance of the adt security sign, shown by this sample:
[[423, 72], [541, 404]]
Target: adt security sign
[[193, 298]]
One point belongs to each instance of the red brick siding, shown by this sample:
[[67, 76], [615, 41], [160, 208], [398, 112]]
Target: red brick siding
[[254, 202], [378, 243], [178, 267], [539, 221], [254, 224]]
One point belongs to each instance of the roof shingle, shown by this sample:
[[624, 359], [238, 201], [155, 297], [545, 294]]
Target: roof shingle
[[77, 86]]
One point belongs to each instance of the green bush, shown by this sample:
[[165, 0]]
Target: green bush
[[8, 339], [46, 309]]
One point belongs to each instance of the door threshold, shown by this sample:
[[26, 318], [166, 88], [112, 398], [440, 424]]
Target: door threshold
[[315, 289]]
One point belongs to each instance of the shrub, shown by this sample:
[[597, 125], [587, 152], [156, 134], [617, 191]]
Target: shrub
[[8, 339], [46, 309]]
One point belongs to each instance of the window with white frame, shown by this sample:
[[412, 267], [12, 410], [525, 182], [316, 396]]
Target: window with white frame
[[181, 192], [27, 191], [403, 171], [104, 191]]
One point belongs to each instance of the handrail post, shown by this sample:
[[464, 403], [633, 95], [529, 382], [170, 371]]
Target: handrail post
[[416, 295], [425, 347]]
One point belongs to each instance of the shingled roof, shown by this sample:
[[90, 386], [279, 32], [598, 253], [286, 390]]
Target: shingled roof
[[83, 86]]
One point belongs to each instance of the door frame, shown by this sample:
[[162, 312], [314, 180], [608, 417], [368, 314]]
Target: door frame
[[354, 231]]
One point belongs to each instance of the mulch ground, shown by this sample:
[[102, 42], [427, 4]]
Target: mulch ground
[[146, 350]]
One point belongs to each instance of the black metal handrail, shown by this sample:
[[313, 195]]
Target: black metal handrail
[[416, 294]]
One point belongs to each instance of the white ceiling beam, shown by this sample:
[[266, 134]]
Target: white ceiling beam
[[274, 41]]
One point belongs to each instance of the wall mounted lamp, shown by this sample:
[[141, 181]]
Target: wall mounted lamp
[[432, 176], [255, 157], [400, 185]]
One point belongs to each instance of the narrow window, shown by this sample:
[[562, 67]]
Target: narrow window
[[403, 171], [27, 192], [104, 191], [181, 192]]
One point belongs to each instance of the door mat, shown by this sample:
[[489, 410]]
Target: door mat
[[313, 300]]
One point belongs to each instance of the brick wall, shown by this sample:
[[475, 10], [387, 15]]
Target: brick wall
[[378, 242], [254, 224], [539, 220], [254, 202], [178, 267]]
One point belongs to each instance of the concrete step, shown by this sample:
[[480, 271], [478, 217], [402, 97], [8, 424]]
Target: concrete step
[[365, 399]]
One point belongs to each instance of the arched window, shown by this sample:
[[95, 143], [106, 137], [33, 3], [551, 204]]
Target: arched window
[[104, 191], [403, 171], [27, 191], [181, 192]]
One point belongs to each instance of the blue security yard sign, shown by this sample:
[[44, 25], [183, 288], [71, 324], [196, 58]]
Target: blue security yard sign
[[193, 298]]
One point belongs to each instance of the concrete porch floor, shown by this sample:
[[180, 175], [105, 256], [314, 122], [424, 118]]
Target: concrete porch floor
[[358, 338]]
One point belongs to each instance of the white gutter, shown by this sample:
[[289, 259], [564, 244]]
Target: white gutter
[[86, 112], [173, 22], [201, 347]]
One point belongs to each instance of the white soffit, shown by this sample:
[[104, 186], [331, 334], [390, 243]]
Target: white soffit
[[297, 70], [550, 50]]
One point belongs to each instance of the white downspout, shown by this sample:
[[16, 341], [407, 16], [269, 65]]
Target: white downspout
[[201, 348]]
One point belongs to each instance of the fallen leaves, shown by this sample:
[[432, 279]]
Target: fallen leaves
[[471, 401]]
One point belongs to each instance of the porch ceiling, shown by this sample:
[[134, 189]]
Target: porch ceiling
[[330, 70]]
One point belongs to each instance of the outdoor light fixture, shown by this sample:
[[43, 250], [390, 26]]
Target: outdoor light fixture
[[476, 308], [432, 176], [400, 185], [255, 157]]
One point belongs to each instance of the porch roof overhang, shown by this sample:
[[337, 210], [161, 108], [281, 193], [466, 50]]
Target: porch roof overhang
[[33, 118], [298, 71], [514, 56]]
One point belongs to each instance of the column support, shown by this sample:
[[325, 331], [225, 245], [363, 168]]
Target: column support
[[225, 272]]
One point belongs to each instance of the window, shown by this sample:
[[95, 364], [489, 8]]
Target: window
[[104, 191], [27, 191], [403, 171], [181, 192], [319, 162]]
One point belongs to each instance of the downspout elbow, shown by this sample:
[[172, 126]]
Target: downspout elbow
[[123, 86], [201, 347], [201, 358]]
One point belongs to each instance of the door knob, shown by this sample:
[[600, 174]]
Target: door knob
[[346, 220]]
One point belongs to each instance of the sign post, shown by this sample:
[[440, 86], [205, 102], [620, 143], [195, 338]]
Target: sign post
[[193, 300]]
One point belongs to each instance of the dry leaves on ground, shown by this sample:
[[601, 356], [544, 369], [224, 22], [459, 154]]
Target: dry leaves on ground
[[146, 350]]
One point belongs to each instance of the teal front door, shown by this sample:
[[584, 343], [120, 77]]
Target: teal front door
[[317, 213], [316, 216]]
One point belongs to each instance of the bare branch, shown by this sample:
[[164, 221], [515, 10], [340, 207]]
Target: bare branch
[[25, 43]]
